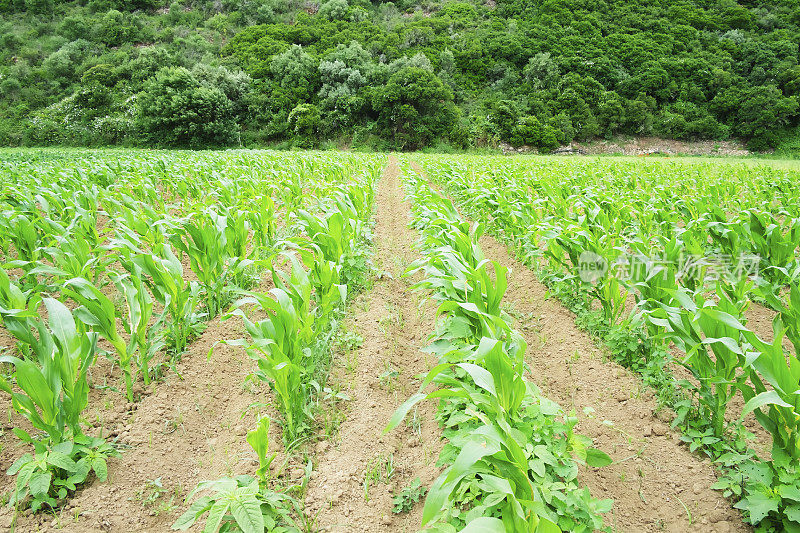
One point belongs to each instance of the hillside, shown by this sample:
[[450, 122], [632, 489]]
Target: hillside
[[402, 75]]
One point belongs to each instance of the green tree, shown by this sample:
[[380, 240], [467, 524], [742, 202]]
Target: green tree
[[334, 10], [530, 131], [305, 121], [763, 111], [296, 72], [176, 110], [415, 108]]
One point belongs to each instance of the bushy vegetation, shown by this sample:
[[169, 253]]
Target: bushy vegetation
[[403, 74]]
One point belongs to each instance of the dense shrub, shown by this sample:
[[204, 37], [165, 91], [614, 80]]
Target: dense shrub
[[176, 110]]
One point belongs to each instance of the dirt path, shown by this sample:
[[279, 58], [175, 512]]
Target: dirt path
[[394, 324], [655, 482]]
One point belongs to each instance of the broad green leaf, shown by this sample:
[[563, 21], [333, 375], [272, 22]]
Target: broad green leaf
[[61, 461], [759, 505], [40, 484], [246, 509], [100, 468], [760, 400], [597, 458], [485, 525], [194, 512], [217, 513], [793, 513]]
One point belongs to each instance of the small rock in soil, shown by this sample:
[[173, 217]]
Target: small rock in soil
[[664, 416], [659, 430]]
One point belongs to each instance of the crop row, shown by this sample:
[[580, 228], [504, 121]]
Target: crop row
[[511, 460], [291, 348], [601, 239]]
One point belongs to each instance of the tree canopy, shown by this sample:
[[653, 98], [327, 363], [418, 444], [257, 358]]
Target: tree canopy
[[403, 74]]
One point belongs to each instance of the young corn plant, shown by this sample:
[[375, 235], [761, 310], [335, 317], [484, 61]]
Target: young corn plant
[[281, 346], [146, 339], [319, 286], [19, 312], [261, 217], [202, 238], [774, 243], [711, 338], [164, 278], [97, 312], [51, 390], [338, 237], [771, 487], [494, 479], [53, 385]]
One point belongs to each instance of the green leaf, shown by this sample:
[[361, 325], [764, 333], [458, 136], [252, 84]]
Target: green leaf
[[604, 506], [200, 506], [760, 400], [793, 512], [100, 468], [246, 509], [597, 458], [485, 525], [725, 318], [216, 514], [546, 526], [789, 492], [481, 377], [40, 484], [403, 410], [61, 461], [19, 463], [30, 379], [759, 505]]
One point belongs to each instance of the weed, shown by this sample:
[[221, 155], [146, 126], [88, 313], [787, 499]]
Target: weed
[[409, 496], [156, 498], [388, 376]]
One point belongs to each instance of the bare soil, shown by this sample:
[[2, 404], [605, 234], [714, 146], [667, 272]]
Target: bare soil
[[394, 324], [643, 146]]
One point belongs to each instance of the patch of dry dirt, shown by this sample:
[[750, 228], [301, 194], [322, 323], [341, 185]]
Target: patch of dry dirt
[[643, 146], [394, 324], [653, 145]]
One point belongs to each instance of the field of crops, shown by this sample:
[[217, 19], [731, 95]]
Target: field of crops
[[316, 341]]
